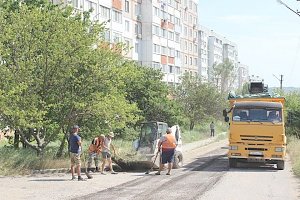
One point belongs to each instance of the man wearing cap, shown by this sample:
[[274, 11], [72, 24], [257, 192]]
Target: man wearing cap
[[106, 152], [75, 151], [167, 143], [94, 152]]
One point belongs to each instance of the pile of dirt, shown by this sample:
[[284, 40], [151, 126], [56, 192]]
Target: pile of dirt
[[132, 165]]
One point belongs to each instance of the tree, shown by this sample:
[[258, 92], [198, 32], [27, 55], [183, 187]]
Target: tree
[[293, 107], [226, 74], [145, 88], [199, 100], [51, 77]]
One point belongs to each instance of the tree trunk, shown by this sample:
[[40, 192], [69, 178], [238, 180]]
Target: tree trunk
[[61, 147], [192, 124], [16, 140]]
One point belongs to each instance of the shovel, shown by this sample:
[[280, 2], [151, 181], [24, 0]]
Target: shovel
[[148, 171], [86, 171]]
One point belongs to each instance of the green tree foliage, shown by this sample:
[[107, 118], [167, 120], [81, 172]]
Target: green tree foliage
[[293, 116], [144, 87], [224, 72], [52, 76], [199, 100]]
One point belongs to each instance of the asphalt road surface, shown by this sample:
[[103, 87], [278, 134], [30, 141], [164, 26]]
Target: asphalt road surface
[[208, 176]]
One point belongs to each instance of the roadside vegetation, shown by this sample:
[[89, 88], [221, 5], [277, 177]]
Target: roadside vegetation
[[293, 130], [57, 70]]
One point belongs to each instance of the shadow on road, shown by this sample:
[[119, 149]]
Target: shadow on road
[[55, 180], [219, 163]]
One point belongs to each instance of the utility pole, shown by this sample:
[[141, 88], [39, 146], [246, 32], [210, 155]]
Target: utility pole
[[281, 80], [294, 11]]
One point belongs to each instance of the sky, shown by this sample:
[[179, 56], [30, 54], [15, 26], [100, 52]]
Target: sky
[[267, 35]]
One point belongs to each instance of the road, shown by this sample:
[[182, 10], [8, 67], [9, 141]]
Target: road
[[205, 176]]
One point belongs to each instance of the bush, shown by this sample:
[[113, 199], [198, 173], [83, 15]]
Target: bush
[[293, 149]]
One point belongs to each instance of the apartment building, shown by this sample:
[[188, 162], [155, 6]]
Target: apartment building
[[162, 34], [189, 37], [230, 53], [203, 34], [243, 74], [215, 54], [121, 18], [161, 38]]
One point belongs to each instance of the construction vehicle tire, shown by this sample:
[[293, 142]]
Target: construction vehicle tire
[[178, 160]]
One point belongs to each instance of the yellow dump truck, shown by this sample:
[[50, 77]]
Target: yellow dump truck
[[257, 131]]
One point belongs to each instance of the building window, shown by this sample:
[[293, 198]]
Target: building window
[[171, 52], [191, 47], [117, 16], [195, 61], [75, 3], [185, 31], [156, 65], [164, 33], [190, 33], [126, 6], [177, 70], [186, 60], [106, 36], [171, 69], [156, 48], [195, 48], [177, 54], [156, 12], [117, 37], [138, 28], [137, 9], [156, 30], [185, 45], [191, 61], [136, 47], [177, 21], [171, 35], [127, 25], [127, 42], [177, 37], [164, 50], [105, 12]]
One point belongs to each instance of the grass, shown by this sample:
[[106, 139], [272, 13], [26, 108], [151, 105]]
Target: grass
[[293, 149], [23, 161], [203, 132]]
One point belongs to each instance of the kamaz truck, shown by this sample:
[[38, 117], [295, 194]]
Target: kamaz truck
[[256, 127]]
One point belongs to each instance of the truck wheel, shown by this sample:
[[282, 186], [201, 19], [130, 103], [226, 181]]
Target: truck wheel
[[232, 163], [280, 165], [178, 160]]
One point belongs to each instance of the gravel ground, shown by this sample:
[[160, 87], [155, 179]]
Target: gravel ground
[[59, 185]]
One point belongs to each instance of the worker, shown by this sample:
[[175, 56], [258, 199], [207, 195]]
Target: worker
[[106, 153], [94, 152], [75, 151], [212, 129], [167, 144]]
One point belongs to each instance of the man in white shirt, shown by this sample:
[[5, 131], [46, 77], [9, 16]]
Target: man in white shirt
[[106, 153]]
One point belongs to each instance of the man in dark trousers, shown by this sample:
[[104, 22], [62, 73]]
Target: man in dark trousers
[[75, 151], [168, 145], [212, 129]]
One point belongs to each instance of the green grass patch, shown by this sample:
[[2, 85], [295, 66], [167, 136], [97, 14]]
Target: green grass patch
[[23, 161], [293, 149], [203, 132]]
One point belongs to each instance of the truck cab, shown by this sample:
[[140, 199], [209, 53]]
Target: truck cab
[[257, 131]]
